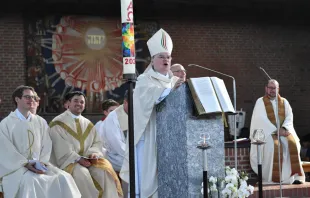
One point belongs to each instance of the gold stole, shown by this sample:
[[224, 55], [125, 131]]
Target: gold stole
[[295, 166], [100, 163]]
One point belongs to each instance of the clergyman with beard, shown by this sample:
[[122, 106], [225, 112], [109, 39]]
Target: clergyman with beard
[[264, 118]]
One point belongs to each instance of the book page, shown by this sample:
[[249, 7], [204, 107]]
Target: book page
[[222, 94], [206, 94]]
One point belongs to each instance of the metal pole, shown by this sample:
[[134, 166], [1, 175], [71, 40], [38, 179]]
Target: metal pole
[[235, 124], [279, 142], [129, 74], [259, 166], [205, 174], [131, 140]]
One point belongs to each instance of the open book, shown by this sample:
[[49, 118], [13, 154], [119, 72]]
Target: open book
[[210, 95]]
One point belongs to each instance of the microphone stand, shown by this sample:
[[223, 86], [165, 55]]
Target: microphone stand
[[235, 105], [278, 131]]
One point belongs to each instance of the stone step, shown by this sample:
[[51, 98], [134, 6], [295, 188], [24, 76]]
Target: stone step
[[291, 191]]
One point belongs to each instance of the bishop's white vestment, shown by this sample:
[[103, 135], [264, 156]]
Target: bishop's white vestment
[[28, 139], [151, 88], [74, 137]]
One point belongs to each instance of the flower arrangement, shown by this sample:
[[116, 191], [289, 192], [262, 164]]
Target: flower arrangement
[[235, 185], [213, 184]]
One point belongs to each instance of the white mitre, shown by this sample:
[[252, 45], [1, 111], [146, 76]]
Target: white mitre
[[160, 42]]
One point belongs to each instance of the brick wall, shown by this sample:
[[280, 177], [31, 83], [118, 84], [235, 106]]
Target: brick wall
[[239, 48], [12, 60], [243, 161]]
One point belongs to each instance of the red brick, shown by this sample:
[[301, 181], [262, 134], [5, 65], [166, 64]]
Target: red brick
[[237, 48], [12, 60]]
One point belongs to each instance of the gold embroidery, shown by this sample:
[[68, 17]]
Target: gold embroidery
[[69, 168], [30, 143], [97, 185], [100, 163], [79, 136], [270, 111], [105, 165]]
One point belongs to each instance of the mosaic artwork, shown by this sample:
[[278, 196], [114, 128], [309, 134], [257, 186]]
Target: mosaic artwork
[[66, 53]]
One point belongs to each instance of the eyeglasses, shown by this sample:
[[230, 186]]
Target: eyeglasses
[[272, 88], [28, 97], [180, 71]]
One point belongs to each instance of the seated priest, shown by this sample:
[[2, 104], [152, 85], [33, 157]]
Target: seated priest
[[264, 118], [25, 171], [77, 149], [113, 133]]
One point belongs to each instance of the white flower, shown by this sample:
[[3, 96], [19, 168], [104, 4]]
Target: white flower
[[243, 184], [251, 189], [213, 188], [229, 185], [234, 172], [227, 170], [243, 192], [236, 185], [202, 189], [226, 192], [231, 179], [213, 179]]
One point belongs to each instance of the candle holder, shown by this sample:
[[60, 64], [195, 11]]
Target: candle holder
[[203, 145], [258, 140]]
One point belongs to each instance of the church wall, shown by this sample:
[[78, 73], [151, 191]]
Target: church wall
[[12, 60], [237, 48]]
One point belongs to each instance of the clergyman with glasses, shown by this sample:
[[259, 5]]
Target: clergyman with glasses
[[264, 118], [25, 151]]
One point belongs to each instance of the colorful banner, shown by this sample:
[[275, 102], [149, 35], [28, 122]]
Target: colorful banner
[[66, 53]]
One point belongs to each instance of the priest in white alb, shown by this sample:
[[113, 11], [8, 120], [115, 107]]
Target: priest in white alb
[[77, 149], [152, 87], [113, 133], [264, 118], [25, 171]]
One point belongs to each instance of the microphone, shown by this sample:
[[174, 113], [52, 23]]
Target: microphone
[[265, 72], [190, 65], [234, 89]]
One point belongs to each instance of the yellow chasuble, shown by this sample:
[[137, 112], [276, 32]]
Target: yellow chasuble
[[75, 138], [295, 165]]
